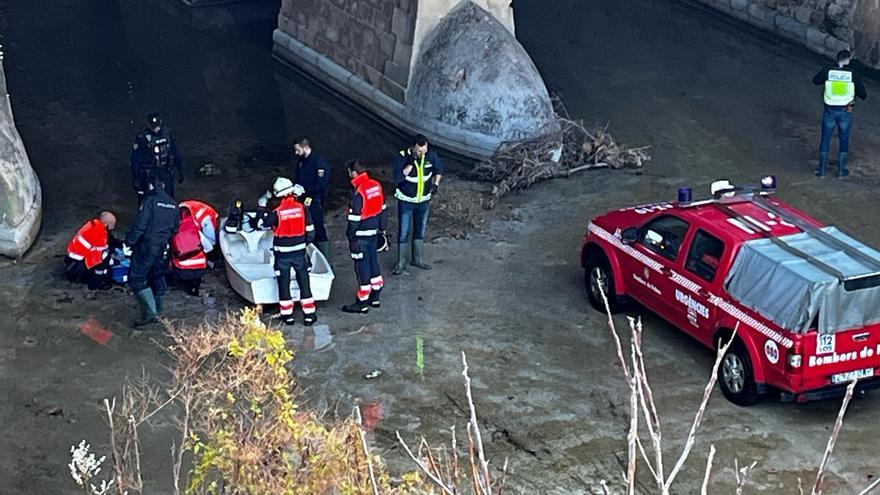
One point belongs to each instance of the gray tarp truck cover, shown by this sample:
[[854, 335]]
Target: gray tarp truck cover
[[788, 290]]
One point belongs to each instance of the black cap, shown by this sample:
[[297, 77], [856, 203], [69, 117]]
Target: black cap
[[154, 120]]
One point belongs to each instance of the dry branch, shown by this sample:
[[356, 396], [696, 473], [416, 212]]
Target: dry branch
[[571, 149]]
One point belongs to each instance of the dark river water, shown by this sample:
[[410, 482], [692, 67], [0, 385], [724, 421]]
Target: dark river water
[[83, 74]]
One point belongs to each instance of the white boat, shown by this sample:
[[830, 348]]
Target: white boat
[[250, 268]]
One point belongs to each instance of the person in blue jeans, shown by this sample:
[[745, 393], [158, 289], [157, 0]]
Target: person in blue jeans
[[417, 174], [841, 85]]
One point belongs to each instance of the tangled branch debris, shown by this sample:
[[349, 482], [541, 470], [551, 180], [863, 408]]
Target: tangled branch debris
[[572, 149]]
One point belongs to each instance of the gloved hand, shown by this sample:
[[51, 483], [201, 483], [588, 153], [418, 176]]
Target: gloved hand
[[263, 200], [126, 250], [434, 188]]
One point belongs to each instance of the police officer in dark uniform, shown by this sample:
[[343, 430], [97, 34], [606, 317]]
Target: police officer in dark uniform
[[313, 174], [156, 222], [155, 152]]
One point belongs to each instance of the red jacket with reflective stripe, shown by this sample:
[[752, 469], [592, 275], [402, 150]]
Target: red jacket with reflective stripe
[[365, 213], [89, 243], [200, 211], [291, 224], [196, 262]]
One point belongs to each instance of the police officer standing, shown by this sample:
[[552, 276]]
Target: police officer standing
[[155, 152], [313, 174], [293, 229], [366, 220], [417, 174], [156, 222], [841, 85]]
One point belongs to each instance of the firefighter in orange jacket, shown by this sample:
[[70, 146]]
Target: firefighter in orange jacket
[[366, 221], [88, 253], [293, 229], [189, 267]]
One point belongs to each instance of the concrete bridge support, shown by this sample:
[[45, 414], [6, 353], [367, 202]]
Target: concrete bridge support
[[20, 195], [451, 69]]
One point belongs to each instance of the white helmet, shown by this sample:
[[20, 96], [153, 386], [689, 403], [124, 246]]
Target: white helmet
[[282, 187]]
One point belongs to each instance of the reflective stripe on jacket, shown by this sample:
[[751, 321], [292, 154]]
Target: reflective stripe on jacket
[[89, 243]]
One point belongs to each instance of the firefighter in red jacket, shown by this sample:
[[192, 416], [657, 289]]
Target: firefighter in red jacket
[[293, 229], [188, 259], [366, 221], [88, 253], [208, 220]]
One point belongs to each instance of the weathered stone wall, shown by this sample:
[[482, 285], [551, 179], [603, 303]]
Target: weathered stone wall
[[21, 199], [825, 26], [372, 39]]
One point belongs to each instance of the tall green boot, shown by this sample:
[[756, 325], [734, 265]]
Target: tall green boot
[[401, 259], [324, 247], [148, 307], [417, 262]]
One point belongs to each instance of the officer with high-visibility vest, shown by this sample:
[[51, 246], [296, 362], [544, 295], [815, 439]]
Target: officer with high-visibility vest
[[366, 220], [417, 174], [841, 85], [292, 225], [88, 252]]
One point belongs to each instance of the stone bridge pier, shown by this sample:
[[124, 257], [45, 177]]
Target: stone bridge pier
[[20, 194], [450, 69]]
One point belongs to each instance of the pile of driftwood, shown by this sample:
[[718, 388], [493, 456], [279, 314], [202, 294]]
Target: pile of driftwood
[[570, 150]]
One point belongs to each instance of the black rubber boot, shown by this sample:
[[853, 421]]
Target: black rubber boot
[[401, 259], [356, 307], [417, 246], [288, 320], [148, 308], [374, 301], [310, 319]]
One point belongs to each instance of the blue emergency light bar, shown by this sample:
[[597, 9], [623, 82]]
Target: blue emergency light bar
[[685, 195]]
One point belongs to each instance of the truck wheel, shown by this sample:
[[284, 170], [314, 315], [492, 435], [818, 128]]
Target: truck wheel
[[599, 278], [736, 377]]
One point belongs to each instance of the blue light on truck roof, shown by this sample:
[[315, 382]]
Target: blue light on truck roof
[[684, 195]]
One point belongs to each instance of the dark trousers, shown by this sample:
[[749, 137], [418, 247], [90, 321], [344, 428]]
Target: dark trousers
[[366, 267], [412, 217], [98, 276], [148, 268], [188, 280], [316, 210], [164, 173], [284, 263]]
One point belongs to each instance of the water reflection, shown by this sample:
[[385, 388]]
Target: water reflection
[[315, 338]]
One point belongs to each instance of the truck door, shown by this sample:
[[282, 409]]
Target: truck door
[[659, 241], [696, 313]]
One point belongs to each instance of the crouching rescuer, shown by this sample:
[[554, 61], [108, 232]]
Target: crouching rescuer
[[366, 221], [293, 229], [188, 259], [88, 259]]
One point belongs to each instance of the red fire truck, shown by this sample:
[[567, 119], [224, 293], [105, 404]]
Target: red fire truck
[[805, 297]]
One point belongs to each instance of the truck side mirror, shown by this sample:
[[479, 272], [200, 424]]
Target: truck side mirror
[[629, 235]]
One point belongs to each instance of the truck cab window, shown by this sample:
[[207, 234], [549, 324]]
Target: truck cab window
[[663, 236], [704, 255]]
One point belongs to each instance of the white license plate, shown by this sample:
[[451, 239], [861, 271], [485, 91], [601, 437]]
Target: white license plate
[[851, 375]]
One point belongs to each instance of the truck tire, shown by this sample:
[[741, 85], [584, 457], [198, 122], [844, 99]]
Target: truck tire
[[736, 376], [597, 273]]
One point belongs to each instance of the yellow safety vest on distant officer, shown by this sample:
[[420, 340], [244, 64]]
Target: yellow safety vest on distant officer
[[416, 188], [840, 90]]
